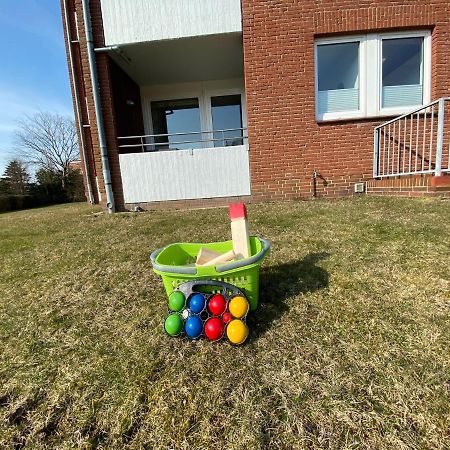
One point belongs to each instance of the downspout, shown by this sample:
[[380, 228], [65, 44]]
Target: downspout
[[77, 105], [97, 105]]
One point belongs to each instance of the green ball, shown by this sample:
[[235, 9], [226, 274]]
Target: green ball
[[176, 301], [173, 324]]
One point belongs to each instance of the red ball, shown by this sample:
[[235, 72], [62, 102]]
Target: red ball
[[227, 317], [214, 328], [217, 304]]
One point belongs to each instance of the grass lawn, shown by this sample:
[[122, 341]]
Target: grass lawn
[[349, 349]]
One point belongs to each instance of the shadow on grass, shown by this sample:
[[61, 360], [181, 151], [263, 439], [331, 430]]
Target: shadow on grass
[[278, 283]]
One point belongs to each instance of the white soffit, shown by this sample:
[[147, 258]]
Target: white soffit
[[203, 58]]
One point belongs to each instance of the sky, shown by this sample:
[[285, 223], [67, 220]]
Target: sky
[[33, 73]]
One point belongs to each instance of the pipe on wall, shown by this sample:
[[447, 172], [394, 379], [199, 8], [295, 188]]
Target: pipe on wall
[[97, 106], [77, 106]]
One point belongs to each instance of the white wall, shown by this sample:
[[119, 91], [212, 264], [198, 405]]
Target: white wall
[[130, 21], [185, 174]]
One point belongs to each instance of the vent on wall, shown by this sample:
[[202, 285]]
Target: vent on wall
[[359, 188]]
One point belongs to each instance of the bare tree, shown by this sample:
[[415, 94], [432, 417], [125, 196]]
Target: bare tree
[[48, 141]]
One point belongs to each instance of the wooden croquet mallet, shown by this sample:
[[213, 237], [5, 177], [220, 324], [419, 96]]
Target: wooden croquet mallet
[[239, 230]]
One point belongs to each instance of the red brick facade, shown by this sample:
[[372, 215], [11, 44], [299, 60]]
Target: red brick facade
[[286, 142], [411, 186]]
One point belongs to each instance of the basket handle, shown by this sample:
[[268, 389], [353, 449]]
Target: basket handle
[[229, 266], [170, 269], [246, 261], [189, 286]]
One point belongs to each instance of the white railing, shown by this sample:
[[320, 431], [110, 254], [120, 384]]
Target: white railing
[[415, 143], [182, 141]]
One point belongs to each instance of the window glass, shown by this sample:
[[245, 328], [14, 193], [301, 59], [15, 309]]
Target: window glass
[[176, 116], [402, 72], [338, 77], [227, 115]]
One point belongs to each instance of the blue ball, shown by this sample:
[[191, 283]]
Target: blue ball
[[193, 327], [197, 303]]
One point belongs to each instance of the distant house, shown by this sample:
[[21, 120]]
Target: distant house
[[197, 101], [76, 165]]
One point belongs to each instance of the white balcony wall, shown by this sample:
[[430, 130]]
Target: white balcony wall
[[185, 174], [132, 21]]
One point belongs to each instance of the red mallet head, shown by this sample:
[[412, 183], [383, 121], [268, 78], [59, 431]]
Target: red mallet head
[[237, 211], [217, 304], [214, 328], [227, 317]]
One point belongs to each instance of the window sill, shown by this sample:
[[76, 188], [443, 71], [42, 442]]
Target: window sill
[[360, 118]]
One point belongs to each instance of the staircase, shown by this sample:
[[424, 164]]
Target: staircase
[[412, 153]]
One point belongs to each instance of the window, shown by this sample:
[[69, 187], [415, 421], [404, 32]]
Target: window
[[176, 116], [226, 114], [371, 75], [338, 77], [212, 118], [402, 80]]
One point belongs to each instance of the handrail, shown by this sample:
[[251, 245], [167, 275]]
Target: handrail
[[162, 140], [413, 143], [199, 141], [414, 111], [181, 134]]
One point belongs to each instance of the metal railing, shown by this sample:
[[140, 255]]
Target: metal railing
[[183, 141], [415, 143]]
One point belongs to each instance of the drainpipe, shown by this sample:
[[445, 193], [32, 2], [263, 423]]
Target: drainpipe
[[97, 105], [77, 106]]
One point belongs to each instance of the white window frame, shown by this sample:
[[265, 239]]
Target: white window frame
[[370, 87], [342, 115], [203, 91], [426, 71]]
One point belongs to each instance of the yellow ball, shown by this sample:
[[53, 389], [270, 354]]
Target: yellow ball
[[238, 307], [237, 331]]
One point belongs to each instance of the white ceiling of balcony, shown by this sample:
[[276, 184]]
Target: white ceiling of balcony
[[183, 60]]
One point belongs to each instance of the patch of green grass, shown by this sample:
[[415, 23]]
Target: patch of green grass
[[349, 348]]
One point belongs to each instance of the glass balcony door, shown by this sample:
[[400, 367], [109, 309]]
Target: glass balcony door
[[226, 112], [180, 119]]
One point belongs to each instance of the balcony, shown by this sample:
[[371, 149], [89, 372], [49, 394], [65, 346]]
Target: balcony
[[180, 106], [183, 166]]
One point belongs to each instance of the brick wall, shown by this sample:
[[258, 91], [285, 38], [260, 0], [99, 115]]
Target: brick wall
[[86, 153], [410, 186], [286, 142], [107, 104]]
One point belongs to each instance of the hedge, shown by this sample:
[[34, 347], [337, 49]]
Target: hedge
[[15, 202]]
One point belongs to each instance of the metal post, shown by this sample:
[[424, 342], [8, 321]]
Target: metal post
[[440, 138], [376, 136]]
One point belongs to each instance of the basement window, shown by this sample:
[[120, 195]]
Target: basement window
[[372, 75]]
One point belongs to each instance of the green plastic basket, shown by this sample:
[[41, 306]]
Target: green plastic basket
[[176, 264]]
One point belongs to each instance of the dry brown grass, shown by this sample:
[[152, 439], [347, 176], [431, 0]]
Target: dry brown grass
[[350, 348]]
